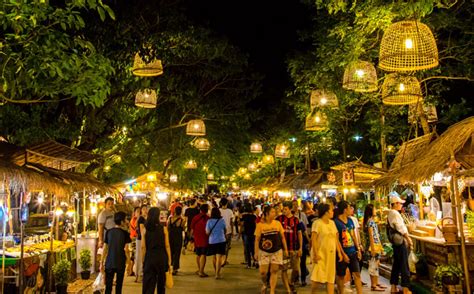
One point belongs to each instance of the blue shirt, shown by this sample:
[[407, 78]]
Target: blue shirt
[[345, 237], [218, 232]]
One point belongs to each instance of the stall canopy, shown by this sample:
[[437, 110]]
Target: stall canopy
[[457, 142], [301, 181], [360, 173]]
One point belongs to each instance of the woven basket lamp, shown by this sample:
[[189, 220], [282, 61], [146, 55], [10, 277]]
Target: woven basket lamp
[[256, 148], [360, 76], [401, 90], [408, 46], [146, 98], [202, 144], [142, 68], [268, 159], [323, 98], [281, 151], [190, 164], [196, 127], [173, 178], [316, 122]]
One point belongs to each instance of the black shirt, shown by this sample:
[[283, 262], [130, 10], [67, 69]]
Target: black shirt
[[141, 220], [190, 213], [249, 223], [116, 239]]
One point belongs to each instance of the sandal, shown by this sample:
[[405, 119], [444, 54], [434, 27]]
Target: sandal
[[377, 289]]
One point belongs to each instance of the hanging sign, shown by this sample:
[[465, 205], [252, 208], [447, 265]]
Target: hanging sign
[[348, 177]]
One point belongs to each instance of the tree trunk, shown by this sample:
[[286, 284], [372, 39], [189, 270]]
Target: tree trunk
[[383, 143]]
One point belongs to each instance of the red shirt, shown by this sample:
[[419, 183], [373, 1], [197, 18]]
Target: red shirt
[[133, 227], [198, 225], [173, 207], [290, 226]]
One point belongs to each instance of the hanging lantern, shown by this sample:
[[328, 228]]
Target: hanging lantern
[[323, 98], [401, 90], [151, 177], [360, 76], [210, 177], [190, 164], [281, 151], [242, 171], [173, 178], [408, 46], [202, 144], [147, 68], [146, 98], [252, 167], [256, 148], [268, 159], [247, 176], [316, 122], [196, 127], [415, 110]]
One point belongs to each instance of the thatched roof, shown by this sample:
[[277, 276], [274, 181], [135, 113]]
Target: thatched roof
[[457, 141], [301, 181], [363, 173], [411, 150]]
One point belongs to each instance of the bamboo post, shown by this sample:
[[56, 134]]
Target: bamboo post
[[84, 217], [420, 201], [461, 228]]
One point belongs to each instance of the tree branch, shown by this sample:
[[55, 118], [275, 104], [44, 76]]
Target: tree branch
[[447, 78]]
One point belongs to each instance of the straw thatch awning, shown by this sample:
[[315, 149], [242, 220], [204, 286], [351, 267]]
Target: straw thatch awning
[[21, 178], [301, 181], [457, 141], [411, 150], [363, 173]]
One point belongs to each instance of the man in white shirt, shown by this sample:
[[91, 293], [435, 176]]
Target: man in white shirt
[[400, 252], [228, 217]]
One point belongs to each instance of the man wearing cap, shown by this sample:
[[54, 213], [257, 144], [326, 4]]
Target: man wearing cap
[[400, 252]]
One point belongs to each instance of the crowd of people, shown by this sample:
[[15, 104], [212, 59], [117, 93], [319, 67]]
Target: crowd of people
[[277, 239]]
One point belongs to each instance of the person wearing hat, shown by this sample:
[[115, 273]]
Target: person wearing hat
[[400, 251]]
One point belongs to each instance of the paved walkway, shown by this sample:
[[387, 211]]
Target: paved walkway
[[236, 278]]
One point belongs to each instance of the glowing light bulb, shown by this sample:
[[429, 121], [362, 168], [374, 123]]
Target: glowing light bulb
[[59, 211], [409, 43], [93, 209], [401, 87], [345, 190], [323, 100], [352, 190], [40, 200], [317, 119], [360, 73], [196, 126], [320, 194]]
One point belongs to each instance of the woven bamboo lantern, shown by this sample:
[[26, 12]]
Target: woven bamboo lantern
[[268, 159], [146, 98], [401, 90], [323, 98], [252, 167], [173, 178], [360, 76], [144, 68], [190, 164], [408, 46], [256, 148], [210, 177], [196, 127], [281, 151], [316, 122], [202, 144]]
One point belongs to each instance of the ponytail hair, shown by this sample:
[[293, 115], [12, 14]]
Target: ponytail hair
[[266, 211]]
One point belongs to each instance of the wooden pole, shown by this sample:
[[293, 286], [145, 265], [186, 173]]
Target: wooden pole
[[461, 228], [420, 201], [84, 217]]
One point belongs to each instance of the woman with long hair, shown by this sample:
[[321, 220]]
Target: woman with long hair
[[324, 247], [176, 227], [156, 254], [215, 229], [270, 247], [374, 246]]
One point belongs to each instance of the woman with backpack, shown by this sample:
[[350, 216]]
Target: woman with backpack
[[215, 229], [270, 247], [176, 227]]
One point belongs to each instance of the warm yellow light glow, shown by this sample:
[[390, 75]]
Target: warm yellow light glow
[[284, 194], [345, 190], [247, 176], [93, 209], [242, 170], [162, 196], [40, 200], [210, 176], [173, 178], [196, 126], [320, 194], [151, 178], [317, 119], [360, 73], [426, 190], [323, 100], [390, 148], [401, 87], [107, 168], [59, 211], [409, 43], [352, 190], [70, 212]]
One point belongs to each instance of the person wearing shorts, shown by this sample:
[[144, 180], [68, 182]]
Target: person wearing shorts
[[270, 248], [350, 248], [201, 240], [216, 229]]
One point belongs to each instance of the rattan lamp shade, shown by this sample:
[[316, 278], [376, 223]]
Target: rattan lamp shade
[[401, 90], [316, 122], [360, 76], [268, 159], [190, 164], [256, 148], [196, 127], [202, 144], [323, 98], [173, 178], [281, 151], [142, 68], [146, 98], [408, 46]]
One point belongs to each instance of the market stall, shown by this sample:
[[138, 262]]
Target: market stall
[[436, 173]]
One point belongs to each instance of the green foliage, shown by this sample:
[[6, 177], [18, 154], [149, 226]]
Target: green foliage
[[61, 271], [447, 270], [85, 259]]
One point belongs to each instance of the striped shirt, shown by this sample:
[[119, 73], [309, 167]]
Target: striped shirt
[[290, 226]]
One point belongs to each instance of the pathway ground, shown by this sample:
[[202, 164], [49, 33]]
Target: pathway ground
[[236, 278]]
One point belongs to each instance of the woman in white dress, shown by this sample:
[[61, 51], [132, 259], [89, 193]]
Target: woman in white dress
[[325, 244]]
